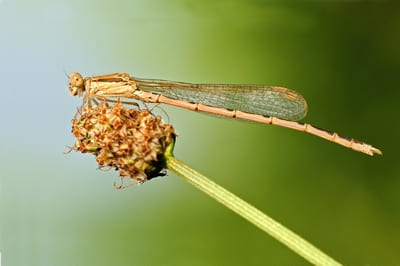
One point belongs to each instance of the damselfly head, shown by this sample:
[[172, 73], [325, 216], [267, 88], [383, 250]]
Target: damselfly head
[[76, 84]]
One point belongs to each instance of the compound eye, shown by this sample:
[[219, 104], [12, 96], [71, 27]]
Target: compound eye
[[76, 84], [76, 80]]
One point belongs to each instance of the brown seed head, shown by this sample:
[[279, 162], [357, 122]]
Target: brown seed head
[[131, 141]]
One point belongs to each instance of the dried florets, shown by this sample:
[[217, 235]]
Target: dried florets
[[129, 140]]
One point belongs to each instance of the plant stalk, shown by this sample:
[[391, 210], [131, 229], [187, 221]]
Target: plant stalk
[[250, 213]]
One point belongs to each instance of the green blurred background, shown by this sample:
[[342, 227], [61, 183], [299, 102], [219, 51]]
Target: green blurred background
[[344, 57]]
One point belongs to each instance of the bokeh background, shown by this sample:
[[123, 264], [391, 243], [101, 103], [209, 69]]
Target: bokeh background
[[344, 57]]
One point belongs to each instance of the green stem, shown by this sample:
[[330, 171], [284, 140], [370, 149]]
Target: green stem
[[253, 215]]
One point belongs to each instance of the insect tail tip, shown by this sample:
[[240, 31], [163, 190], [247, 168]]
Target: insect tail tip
[[375, 150]]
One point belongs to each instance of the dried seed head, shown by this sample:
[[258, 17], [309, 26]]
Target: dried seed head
[[131, 141]]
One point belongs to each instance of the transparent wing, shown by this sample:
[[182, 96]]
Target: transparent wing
[[256, 99]]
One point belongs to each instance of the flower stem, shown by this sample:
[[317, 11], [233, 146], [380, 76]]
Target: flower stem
[[253, 215]]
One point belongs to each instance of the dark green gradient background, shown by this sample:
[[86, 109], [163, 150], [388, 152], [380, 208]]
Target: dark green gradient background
[[344, 57]]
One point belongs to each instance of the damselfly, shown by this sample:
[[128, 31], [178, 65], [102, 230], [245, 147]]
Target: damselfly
[[264, 104]]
